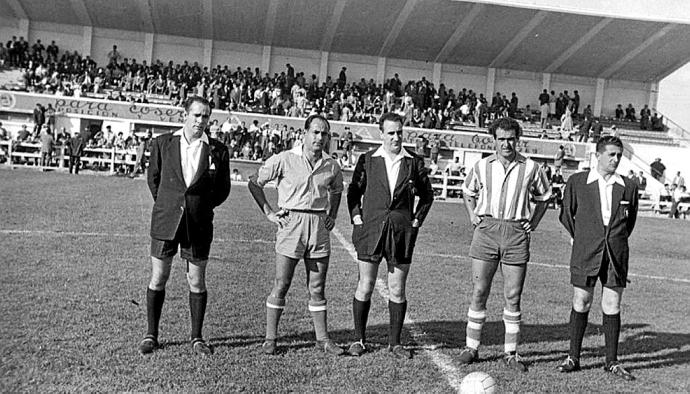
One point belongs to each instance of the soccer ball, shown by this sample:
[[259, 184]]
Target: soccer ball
[[477, 382]]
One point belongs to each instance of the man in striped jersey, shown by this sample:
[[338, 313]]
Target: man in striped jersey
[[498, 191]]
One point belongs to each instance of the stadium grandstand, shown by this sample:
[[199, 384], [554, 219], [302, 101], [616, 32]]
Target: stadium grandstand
[[569, 74]]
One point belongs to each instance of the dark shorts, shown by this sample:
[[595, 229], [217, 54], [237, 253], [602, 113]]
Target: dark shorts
[[503, 241], [190, 251], [608, 276], [387, 249]]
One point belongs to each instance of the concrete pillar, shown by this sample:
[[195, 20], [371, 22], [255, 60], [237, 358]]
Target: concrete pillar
[[87, 37], [208, 53], [599, 96], [490, 83], [546, 81], [323, 67], [381, 70], [436, 76], [148, 48], [266, 60], [653, 94]]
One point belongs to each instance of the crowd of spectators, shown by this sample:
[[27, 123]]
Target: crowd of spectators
[[288, 93]]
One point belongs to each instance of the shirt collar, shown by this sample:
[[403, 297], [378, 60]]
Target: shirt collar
[[518, 157], [381, 152], [595, 176], [297, 150], [180, 133]]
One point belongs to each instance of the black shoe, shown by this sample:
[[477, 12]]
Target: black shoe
[[468, 356], [398, 351], [357, 349], [148, 345], [329, 347], [617, 370], [513, 361], [569, 365], [201, 347], [269, 346]]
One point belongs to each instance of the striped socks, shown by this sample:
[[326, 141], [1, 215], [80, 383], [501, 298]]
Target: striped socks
[[475, 321], [274, 308], [511, 320]]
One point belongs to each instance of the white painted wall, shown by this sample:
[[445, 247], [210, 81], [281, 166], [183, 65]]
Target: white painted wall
[[623, 92], [358, 66], [457, 77], [47, 32], [235, 55], [526, 86], [586, 88], [130, 44], [302, 60], [409, 70]]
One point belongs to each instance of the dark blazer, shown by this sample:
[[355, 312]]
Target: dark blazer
[[75, 146], [368, 195], [174, 202], [581, 216]]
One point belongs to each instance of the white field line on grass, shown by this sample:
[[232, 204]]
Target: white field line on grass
[[270, 242], [442, 361]]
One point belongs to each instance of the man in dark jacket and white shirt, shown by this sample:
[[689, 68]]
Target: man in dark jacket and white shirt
[[599, 212], [189, 175]]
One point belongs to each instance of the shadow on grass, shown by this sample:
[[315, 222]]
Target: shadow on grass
[[649, 349]]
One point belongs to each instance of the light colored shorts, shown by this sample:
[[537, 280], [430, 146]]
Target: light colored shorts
[[501, 241], [304, 236]]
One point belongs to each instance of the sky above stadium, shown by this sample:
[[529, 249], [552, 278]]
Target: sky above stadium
[[674, 96]]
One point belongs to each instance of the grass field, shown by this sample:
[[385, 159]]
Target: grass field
[[75, 269]]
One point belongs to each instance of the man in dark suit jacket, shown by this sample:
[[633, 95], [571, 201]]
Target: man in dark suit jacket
[[599, 212], [189, 175], [75, 149], [380, 200]]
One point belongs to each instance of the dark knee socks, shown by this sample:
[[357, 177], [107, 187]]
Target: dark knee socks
[[578, 325], [397, 318], [612, 328], [154, 306], [197, 307], [360, 313]]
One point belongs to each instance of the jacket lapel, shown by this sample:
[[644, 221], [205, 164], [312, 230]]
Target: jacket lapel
[[405, 164], [177, 158], [593, 189], [204, 157], [616, 197], [380, 168]]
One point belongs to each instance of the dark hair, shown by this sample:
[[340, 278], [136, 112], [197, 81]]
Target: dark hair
[[195, 99], [608, 140], [311, 118], [505, 124], [390, 117]]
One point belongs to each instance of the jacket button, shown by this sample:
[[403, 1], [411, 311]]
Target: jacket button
[[181, 208]]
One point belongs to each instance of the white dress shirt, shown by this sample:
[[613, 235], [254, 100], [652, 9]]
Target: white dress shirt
[[392, 165], [605, 192], [190, 155]]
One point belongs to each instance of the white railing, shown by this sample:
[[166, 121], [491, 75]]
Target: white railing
[[447, 187], [29, 155]]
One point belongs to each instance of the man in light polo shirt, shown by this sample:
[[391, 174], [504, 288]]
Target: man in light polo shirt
[[310, 184], [497, 193]]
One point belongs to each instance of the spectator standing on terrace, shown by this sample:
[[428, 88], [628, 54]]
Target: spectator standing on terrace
[[597, 129], [567, 119], [641, 182], [599, 212], [380, 200], [39, 119], [679, 180], [75, 150], [630, 113], [657, 169], [143, 147], [114, 56], [189, 175], [498, 192], [47, 145], [310, 184], [645, 118], [544, 108]]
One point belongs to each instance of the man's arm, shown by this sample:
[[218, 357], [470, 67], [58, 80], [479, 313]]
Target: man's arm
[[154, 171], [222, 180], [269, 171], [470, 195], [355, 190], [632, 210], [425, 192], [569, 208]]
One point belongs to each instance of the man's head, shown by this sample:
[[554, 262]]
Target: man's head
[[317, 135], [197, 113], [391, 126], [506, 133], [609, 153]]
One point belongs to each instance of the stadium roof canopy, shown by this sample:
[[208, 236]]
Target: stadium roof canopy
[[632, 40]]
